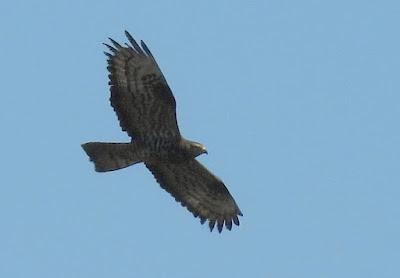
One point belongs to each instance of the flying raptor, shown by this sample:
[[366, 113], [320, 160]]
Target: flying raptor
[[146, 110]]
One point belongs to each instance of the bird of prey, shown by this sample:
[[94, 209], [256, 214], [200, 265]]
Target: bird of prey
[[146, 110]]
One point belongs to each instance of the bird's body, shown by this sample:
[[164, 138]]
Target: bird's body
[[146, 109]]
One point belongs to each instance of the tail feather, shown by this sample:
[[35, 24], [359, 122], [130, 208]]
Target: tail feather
[[111, 156]]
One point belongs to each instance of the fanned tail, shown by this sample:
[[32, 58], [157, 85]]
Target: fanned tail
[[111, 156]]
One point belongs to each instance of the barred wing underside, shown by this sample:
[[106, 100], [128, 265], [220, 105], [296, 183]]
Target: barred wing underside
[[140, 95], [199, 190]]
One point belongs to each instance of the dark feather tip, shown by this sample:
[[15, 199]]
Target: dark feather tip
[[117, 45], [211, 224], [220, 225], [112, 49], [228, 224], [108, 54], [133, 42], [236, 220], [202, 220], [129, 36], [145, 48]]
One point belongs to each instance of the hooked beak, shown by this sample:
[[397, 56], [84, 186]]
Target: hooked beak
[[205, 151]]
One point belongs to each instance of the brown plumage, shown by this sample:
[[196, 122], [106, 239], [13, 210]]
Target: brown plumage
[[146, 110]]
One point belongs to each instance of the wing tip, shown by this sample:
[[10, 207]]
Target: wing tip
[[109, 55], [221, 222], [220, 225], [146, 49], [133, 42], [116, 44], [111, 48], [211, 224]]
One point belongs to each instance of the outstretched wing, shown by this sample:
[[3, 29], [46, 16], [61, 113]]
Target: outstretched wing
[[199, 190], [140, 95]]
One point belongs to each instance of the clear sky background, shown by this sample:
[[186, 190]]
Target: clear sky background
[[298, 103]]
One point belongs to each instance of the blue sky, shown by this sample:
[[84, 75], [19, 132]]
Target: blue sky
[[296, 101]]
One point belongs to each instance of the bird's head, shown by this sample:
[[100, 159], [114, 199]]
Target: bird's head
[[195, 148]]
